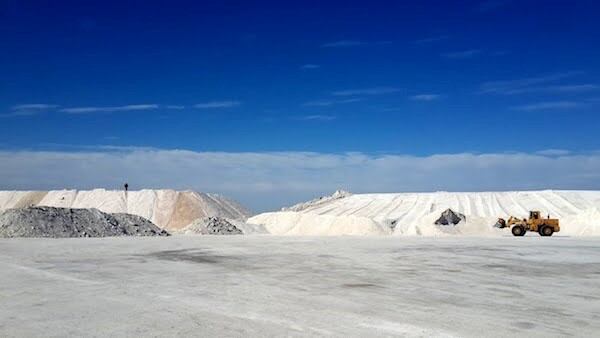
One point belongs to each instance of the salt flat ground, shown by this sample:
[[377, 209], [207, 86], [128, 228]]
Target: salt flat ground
[[300, 286]]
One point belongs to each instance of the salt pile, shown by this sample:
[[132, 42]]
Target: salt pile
[[299, 223], [416, 213], [169, 209], [65, 222]]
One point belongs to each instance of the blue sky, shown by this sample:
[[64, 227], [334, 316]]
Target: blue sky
[[378, 78]]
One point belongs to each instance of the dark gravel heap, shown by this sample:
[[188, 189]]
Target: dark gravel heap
[[450, 217], [220, 226], [65, 222]]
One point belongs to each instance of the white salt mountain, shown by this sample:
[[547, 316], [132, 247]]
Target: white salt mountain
[[168, 209], [416, 213]]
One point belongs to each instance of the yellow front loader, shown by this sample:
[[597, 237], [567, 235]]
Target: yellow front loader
[[535, 223]]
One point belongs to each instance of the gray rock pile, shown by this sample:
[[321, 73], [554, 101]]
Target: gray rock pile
[[212, 226], [220, 226], [449, 217], [65, 222]]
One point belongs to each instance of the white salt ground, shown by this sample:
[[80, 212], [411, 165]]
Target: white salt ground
[[265, 286]]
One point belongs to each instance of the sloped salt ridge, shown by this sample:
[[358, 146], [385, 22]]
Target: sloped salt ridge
[[169, 209], [415, 213], [300, 223], [338, 194]]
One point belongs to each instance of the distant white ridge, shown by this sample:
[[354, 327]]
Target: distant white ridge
[[415, 213], [169, 209]]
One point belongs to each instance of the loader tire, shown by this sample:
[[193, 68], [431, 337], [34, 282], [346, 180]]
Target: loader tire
[[518, 230], [546, 230]]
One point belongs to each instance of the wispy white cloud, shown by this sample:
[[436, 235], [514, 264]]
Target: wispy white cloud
[[549, 105], [343, 43], [554, 152], [324, 103], [576, 88], [175, 107], [367, 91], [91, 110], [28, 109], [354, 43], [426, 97], [560, 89], [34, 106], [271, 180], [500, 53], [431, 39], [524, 85], [317, 118], [310, 66], [464, 54], [217, 104]]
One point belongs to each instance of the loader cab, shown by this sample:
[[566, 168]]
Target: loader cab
[[534, 215]]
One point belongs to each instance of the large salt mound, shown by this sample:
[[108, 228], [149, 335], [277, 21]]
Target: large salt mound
[[297, 223], [583, 224], [416, 213], [65, 222], [169, 209]]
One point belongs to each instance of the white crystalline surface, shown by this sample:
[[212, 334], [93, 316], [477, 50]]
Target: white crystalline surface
[[168, 209], [291, 286], [415, 213]]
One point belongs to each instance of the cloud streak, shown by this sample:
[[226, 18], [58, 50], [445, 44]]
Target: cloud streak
[[29, 109], [431, 39], [367, 91], [425, 97], [343, 43], [464, 54], [34, 106], [264, 180], [354, 43], [91, 110], [549, 105], [217, 104], [317, 118], [524, 85], [326, 103]]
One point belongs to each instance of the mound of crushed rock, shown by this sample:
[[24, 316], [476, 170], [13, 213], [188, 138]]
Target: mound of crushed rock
[[221, 226], [66, 222], [450, 217], [212, 226]]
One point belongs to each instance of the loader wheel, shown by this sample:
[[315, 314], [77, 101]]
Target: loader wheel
[[546, 230], [518, 230]]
